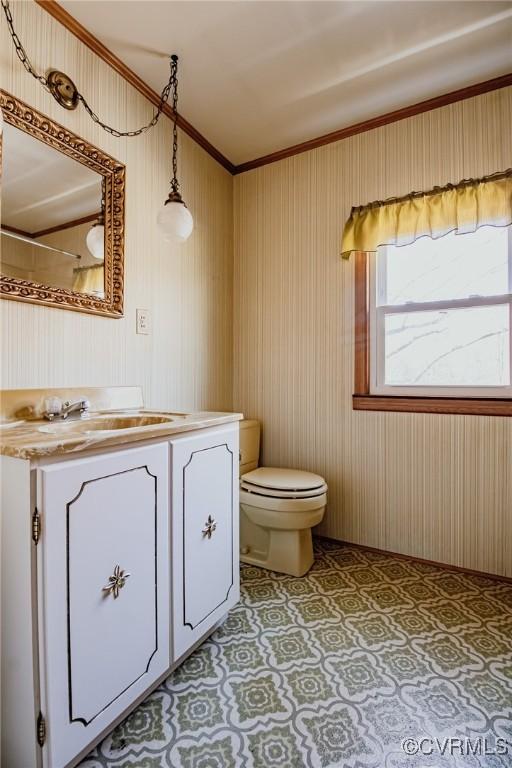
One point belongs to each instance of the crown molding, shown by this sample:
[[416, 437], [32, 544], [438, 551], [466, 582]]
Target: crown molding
[[377, 122], [92, 42]]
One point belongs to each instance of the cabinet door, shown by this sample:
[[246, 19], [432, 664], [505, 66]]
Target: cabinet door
[[205, 546], [103, 585]]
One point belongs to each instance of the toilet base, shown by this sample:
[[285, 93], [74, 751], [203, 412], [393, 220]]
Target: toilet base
[[289, 552]]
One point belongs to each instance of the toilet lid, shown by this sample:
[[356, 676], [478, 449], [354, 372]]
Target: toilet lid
[[288, 480]]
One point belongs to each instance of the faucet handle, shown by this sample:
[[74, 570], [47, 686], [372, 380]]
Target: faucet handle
[[52, 407]]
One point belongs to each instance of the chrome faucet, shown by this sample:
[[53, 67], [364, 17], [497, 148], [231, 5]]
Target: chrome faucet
[[56, 409]]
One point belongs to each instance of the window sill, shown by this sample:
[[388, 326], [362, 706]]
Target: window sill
[[470, 406]]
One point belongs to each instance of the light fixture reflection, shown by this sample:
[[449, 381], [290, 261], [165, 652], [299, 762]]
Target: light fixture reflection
[[95, 241]]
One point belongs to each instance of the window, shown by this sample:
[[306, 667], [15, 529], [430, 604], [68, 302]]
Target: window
[[438, 323], [440, 316]]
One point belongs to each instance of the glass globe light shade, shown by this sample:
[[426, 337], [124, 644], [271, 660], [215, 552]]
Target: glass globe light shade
[[95, 241], [175, 221]]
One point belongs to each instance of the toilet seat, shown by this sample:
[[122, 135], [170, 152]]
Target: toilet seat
[[275, 494], [273, 483], [277, 504]]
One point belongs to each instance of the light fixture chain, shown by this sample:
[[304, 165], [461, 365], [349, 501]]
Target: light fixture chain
[[113, 131], [20, 51], [164, 96], [175, 185]]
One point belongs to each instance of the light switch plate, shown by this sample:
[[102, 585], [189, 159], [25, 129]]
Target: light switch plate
[[143, 321]]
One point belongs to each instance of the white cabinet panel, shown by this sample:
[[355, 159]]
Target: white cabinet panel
[[101, 540], [103, 518], [205, 549]]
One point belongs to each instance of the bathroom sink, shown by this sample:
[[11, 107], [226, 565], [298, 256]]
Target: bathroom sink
[[107, 423], [125, 422]]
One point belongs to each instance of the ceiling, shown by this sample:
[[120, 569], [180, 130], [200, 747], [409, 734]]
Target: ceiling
[[42, 187], [257, 77]]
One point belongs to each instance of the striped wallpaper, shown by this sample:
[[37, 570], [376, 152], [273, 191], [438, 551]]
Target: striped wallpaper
[[434, 486]]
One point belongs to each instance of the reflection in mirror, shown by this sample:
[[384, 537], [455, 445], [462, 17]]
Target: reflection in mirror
[[50, 203]]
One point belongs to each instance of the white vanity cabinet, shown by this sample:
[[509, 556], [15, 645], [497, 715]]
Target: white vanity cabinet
[[205, 548], [115, 565], [104, 591]]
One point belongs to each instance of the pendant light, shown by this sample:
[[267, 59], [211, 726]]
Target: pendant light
[[174, 218], [95, 238]]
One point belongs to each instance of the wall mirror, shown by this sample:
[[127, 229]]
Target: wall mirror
[[62, 216]]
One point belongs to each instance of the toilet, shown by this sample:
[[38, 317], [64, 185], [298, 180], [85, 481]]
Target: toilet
[[278, 508]]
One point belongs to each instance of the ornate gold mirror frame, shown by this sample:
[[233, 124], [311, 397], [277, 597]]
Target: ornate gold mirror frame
[[27, 119]]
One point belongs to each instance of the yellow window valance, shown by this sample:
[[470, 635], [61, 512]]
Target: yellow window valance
[[462, 208], [89, 280]]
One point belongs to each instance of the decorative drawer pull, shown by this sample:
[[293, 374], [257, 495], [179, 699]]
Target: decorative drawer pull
[[210, 526], [116, 582]]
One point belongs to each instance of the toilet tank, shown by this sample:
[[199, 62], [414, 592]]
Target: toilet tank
[[249, 445]]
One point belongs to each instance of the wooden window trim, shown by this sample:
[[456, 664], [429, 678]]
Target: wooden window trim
[[362, 400]]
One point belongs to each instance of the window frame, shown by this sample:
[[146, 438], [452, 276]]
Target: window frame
[[370, 395]]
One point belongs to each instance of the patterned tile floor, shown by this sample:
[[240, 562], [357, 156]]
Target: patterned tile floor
[[336, 669]]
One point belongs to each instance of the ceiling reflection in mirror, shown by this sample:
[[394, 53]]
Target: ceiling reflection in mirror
[[51, 217]]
